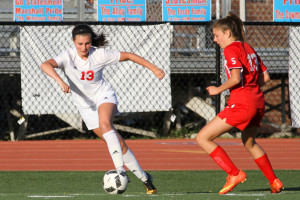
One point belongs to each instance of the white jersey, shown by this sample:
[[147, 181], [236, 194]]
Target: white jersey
[[85, 77]]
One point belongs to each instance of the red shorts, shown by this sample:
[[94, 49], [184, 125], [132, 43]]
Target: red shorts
[[242, 116]]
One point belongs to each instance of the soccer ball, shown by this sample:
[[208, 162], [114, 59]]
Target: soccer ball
[[114, 182]]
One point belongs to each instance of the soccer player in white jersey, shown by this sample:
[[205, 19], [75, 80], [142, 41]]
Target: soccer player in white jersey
[[95, 98]]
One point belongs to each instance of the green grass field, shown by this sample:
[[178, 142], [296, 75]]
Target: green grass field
[[173, 185]]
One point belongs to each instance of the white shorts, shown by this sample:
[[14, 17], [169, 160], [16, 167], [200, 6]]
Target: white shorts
[[90, 115]]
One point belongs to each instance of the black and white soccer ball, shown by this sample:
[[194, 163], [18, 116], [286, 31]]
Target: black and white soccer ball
[[114, 182]]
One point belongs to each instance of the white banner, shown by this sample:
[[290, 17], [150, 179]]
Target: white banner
[[138, 90], [294, 71]]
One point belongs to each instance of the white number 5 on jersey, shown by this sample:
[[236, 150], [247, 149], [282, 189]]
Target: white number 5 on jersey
[[233, 61]]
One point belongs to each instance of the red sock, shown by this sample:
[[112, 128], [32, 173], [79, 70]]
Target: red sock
[[223, 160], [266, 167]]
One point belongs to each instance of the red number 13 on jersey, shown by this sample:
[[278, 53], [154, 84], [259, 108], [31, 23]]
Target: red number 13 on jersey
[[89, 75]]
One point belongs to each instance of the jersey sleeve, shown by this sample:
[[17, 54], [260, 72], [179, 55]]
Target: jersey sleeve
[[232, 58], [111, 57], [61, 59]]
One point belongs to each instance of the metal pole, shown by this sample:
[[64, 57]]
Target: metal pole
[[283, 113], [217, 9], [243, 10], [226, 7], [218, 61], [13, 41], [80, 10], [95, 6], [218, 77]]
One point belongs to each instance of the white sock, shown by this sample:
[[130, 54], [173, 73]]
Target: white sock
[[133, 165], [114, 148]]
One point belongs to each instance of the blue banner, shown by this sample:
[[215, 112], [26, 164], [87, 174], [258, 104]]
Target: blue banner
[[286, 11], [122, 10], [38, 10], [186, 10]]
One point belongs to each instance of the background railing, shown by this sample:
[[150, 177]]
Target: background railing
[[194, 62], [86, 10], [194, 65]]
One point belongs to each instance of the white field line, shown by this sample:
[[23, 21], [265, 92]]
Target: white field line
[[231, 194], [63, 196], [137, 195], [49, 196], [246, 195]]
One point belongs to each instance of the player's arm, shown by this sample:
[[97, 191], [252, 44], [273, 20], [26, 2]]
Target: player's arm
[[231, 82], [48, 67], [263, 78], [158, 72]]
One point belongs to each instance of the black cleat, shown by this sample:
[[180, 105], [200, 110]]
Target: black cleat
[[149, 185]]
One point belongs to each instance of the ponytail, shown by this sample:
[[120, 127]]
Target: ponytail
[[97, 40], [232, 23]]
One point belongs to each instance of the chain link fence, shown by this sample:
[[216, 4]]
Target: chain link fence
[[86, 10], [33, 107]]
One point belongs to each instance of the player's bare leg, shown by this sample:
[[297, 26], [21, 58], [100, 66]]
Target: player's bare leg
[[210, 131], [106, 114], [248, 139], [116, 147], [261, 158], [205, 138]]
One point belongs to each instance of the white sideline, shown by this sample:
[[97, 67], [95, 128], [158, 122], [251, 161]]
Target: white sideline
[[50, 196]]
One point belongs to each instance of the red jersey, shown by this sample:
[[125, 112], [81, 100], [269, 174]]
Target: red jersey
[[239, 55]]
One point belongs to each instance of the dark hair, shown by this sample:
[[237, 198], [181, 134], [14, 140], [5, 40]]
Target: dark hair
[[232, 23], [97, 40]]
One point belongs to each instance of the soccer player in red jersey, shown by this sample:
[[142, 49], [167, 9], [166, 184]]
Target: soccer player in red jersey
[[246, 73]]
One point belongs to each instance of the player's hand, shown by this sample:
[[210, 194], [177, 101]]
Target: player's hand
[[65, 87], [212, 90], [159, 73]]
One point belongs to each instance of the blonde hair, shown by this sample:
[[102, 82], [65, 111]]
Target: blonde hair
[[232, 23]]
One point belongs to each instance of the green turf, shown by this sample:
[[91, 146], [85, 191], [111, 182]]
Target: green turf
[[173, 185]]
